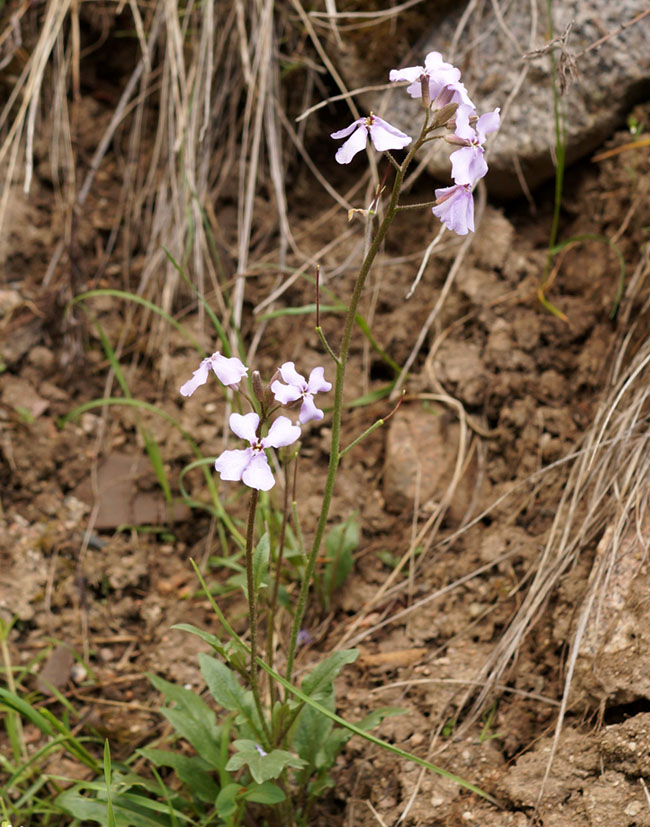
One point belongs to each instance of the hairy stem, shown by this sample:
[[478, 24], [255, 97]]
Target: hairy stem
[[252, 603]]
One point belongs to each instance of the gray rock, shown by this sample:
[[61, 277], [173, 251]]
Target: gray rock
[[421, 449], [611, 79]]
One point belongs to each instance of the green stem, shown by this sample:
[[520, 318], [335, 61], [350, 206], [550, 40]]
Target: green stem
[[344, 351], [403, 207], [366, 433], [276, 584], [252, 603], [326, 345]]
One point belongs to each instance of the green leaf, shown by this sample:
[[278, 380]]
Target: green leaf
[[319, 682], [377, 716], [193, 719], [222, 683], [212, 640], [129, 810], [265, 793], [226, 802], [192, 771], [110, 815], [311, 733], [261, 562], [263, 767], [340, 544], [356, 730]]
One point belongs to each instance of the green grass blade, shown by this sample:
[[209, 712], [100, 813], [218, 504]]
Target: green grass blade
[[132, 297]]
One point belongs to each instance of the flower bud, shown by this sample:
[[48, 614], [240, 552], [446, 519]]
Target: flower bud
[[444, 115], [269, 398], [426, 96], [258, 386]]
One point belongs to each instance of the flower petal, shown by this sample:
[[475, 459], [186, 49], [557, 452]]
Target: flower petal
[[468, 165], [386, 136], [488, 122], [199, 377], [463, 128], [460, 94], [245, 426], [232, 464], [317, 381], [281, 433], [309, 411], [285, 394], [343, 133], [410, 73], [291, 376], [439, 70], [456, 208], [258, 473], [229, 371], [356, 143]]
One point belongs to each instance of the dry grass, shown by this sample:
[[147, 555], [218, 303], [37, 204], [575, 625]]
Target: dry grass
[[203, 119]]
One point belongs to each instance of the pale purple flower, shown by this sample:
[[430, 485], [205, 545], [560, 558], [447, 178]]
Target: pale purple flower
[[298, 387], [229, 371], [250, 465], [382, 134], [468, 163], [441, 76], [455, 208], [303, 637]]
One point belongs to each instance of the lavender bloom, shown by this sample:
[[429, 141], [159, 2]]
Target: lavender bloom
[[468, 163], [298, 387], [455, 208], [250, 465], [229, 371], [382, 134], [303, 638], [441, 76]]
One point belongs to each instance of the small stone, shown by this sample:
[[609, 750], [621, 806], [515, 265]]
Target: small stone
[[41, 357]]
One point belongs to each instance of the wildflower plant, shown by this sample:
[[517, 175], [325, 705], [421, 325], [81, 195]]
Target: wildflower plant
[[283, 736], [276, 742]]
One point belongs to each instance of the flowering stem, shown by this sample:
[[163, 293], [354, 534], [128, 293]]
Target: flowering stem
[[335, 456], [276, 584], [252, 604]]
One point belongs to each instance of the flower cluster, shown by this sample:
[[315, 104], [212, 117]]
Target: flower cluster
[[439, 86], [251, 465]]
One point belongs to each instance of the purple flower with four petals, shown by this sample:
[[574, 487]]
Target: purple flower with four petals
[[229, 371], [441, 76], [250, 465], [455, 208], [468, 163], [382, 134], [298, 387]]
